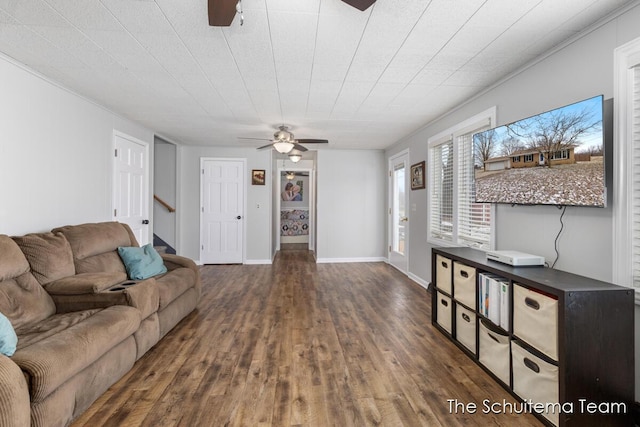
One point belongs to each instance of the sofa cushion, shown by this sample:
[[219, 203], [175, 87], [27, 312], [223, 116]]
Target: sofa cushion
[[94, 246], [49, 255], [174, 284], [8, 337], [88, 240], [12, 262], [22, 299], [141, 262], [58, 348]]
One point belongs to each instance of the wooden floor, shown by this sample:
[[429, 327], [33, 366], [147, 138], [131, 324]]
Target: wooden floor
[[300, 344]]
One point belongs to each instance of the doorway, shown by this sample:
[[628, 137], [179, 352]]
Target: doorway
[[398, 213], [296, 209], [165, 194], [222, 222]]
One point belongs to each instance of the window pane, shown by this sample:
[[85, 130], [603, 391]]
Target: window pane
[[442, 191], [474, 219], [636, 171], [399, 209]]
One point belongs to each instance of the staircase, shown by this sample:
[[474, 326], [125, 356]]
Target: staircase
[[161, 246]]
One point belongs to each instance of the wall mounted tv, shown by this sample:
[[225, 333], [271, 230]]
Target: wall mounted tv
[[553, 158]]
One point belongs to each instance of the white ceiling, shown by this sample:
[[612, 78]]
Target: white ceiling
[[359, 79]]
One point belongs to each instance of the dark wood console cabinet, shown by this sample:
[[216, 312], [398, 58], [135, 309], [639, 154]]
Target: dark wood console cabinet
[[572, 341]]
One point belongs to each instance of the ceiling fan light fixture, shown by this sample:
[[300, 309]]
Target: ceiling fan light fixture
[[283, 147], [295, 158], [290, 175]]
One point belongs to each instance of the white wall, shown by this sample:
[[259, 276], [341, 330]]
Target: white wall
[[56, 151], [351, 205], [258, 220], [350, 202]]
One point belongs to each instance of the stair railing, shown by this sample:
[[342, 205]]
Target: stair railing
[[165, 204]]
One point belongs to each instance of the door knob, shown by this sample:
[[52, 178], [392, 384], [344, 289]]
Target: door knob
[[238, 217], [404, 219], [145, 221]]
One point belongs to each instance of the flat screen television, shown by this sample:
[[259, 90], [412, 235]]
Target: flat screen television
[[553, 158]]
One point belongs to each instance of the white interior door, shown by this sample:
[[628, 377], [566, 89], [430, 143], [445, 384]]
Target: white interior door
[[222, 211], [398, 211], [131, 186]]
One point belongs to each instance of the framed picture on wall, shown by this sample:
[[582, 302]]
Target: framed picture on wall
[[417, 176], [257, 177]]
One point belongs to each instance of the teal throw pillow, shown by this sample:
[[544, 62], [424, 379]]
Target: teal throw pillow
[[8, 337], [141, 263]]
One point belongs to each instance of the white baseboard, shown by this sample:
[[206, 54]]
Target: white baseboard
[[410, 275], [419, 280], [345, 260], [247, 261], [257, 261]]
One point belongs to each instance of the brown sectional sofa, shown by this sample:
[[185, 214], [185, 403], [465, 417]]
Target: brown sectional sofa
[[81, 323]]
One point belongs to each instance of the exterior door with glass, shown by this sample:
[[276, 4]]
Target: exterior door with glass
[[398, 211]]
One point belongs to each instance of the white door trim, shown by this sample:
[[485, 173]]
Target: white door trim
[[392, 160], [244, 202], [148, 196]]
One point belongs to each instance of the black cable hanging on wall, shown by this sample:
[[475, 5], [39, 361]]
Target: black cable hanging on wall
[[555, 244]]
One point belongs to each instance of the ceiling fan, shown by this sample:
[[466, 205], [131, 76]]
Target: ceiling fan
[[284, 142], [222, 12]]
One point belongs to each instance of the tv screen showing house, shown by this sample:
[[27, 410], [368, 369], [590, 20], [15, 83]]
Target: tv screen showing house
[[553, 158]]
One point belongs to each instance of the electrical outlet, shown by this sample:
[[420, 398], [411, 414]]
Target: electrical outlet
[[257, 205]]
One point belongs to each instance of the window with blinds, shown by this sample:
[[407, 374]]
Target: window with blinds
[[441, 212], [454, 217], [626, 150], [634, 116], [474, 219]]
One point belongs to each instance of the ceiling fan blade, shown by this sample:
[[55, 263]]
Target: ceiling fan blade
[[358, 4], [256, 139], [299, 147], [312, 141], [222, 12], [265, 146]]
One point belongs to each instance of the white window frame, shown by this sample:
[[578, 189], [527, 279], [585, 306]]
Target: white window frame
[[485, 119], [560, 155], [626, 57]]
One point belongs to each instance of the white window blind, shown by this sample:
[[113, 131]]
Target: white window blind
[[635, 134], [441, 212], [474, 219]]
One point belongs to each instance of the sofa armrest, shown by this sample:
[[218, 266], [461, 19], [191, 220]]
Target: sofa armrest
[[15, 405], [85, 283], [176, 261], [142, 295]]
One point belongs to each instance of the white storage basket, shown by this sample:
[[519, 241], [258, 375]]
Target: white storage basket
[[536, 379], [535, 320], [443, 315], [464, 284], [443, 274], [466, 328], [494, 352]]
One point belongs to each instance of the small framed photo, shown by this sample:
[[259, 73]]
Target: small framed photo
[[257, 177], [417, 176]]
